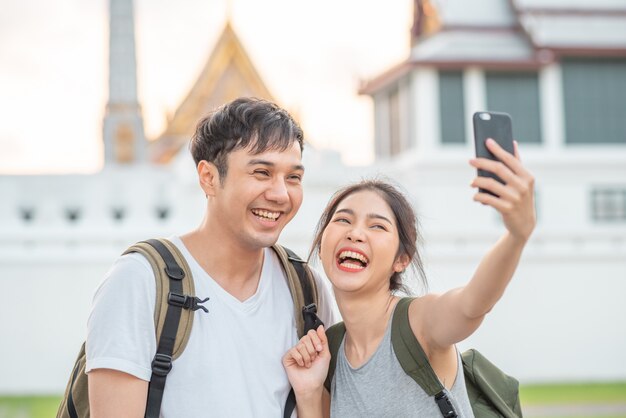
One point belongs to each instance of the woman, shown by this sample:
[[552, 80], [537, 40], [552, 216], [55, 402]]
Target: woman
[[366, 238]]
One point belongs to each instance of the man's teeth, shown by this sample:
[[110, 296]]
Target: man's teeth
[[265, 214], [354, 255]]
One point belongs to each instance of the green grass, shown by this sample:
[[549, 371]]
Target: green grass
[[569, 393], [548, 394], [29, 406]]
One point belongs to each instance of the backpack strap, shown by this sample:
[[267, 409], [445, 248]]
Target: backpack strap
[[414, 361], [335, 336], [173, 314], [305, 299], [302, 287]]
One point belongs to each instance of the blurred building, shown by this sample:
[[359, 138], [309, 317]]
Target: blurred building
[[60, 233], [558, 67]]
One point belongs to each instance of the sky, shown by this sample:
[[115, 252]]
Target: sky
[[311, 55]]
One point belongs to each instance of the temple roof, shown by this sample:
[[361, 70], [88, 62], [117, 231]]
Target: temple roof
[[227, 74], [513, 34]]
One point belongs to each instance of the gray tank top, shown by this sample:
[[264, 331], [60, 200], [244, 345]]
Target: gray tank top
[[380, 388]]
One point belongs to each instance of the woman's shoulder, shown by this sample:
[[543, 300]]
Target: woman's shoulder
[[419, 309], [419, 315]]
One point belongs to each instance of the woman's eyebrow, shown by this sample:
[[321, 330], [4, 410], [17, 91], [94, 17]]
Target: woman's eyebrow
[[377, 216], [348, 211], [369, 215]]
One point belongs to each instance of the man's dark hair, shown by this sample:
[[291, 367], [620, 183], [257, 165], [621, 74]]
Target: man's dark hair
[[241, 123]]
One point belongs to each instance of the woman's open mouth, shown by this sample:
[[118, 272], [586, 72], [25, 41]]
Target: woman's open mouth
[[352, 261]]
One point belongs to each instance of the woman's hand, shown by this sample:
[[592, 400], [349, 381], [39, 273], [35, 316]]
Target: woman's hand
[[515, 198], [307, 364]]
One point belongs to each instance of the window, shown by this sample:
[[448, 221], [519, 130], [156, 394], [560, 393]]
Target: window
[[594, 94], [118, 213], [518, 95], [72, 214], [27, 214], [608, 204], [162, 212], [451, 107], [395, 140]]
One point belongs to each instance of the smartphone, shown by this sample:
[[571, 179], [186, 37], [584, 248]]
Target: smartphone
[[497, 126]]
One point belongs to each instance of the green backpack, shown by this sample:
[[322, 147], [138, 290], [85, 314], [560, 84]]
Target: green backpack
[[173, 317], [491, 392]]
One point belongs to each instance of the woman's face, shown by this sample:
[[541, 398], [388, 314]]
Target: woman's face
[[360, 243]]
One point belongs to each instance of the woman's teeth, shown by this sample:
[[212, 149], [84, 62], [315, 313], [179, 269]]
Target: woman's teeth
[[352, 260], [354, 255]]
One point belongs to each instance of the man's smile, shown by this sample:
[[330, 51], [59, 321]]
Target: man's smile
[[266, 214]]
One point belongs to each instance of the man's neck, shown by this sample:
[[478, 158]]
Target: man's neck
[[235, 268]]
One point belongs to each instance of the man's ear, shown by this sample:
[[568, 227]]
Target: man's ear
[[401, 263], [209, 177]]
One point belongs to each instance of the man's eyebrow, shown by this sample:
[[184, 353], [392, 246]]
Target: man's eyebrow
[[258, 161], [369, 215]]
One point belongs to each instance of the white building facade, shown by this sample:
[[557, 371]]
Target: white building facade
[[559, 68], [562, 316]]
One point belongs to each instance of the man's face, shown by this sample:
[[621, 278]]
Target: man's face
[[259, 196]]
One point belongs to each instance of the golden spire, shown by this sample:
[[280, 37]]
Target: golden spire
[[229, 11], [425, 19]]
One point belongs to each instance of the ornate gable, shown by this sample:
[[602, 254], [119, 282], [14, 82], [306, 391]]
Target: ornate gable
[[227, 74]]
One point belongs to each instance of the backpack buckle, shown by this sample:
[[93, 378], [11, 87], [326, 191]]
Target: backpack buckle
[[161, 364], [186, 302], [312, 308], [311, 320], [445, 406]]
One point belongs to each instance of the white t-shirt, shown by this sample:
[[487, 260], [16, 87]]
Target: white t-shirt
[[232, 365]]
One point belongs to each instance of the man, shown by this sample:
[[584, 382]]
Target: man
[[248, 157]]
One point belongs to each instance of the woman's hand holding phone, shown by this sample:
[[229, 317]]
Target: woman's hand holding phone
[[514, 198]]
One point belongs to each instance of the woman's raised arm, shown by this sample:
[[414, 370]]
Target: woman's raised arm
[[456, 314]]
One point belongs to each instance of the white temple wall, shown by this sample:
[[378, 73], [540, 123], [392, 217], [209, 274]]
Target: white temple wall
[[561, 318]]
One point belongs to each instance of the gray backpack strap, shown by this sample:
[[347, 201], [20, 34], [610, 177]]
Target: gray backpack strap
[[335, 336], [414, 361]]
